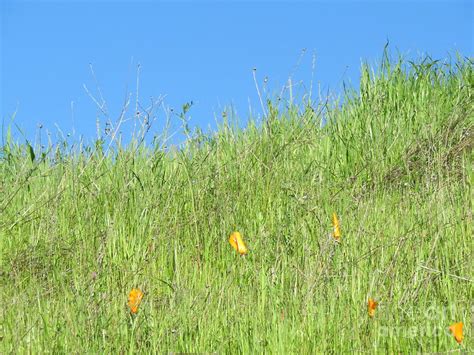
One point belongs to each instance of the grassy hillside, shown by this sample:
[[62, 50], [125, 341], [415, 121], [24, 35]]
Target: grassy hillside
[[80, 229]]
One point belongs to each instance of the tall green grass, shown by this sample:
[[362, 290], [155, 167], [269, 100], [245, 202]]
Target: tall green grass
[[80, 228]]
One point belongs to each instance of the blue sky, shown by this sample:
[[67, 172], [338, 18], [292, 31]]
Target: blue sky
[[201, 51]]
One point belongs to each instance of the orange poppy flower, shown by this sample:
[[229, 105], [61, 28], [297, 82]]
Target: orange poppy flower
[[237, 243], [456, 329], [337, 229], [134, 299], [371, 305]]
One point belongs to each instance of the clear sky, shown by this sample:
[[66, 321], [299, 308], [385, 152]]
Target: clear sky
[[202, 51]]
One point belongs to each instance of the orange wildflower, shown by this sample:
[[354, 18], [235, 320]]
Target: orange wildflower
[[337, 229], [237, 243], [371, 305], [456, 329], [134, 299]]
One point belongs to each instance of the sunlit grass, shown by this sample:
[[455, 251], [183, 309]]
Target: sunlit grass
[[80, 229]]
